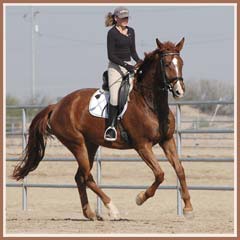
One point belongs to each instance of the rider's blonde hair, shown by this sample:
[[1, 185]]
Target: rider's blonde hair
[[109, 20]]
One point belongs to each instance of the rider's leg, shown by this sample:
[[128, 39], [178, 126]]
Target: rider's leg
[[111, 133], [115, 73]]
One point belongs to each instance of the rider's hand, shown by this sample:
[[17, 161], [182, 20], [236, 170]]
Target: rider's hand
[[138, 64], [130, 68]]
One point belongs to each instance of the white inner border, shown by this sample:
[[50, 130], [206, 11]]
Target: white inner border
[[235, 120]]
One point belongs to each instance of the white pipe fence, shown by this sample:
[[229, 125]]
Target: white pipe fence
[[99, 159]]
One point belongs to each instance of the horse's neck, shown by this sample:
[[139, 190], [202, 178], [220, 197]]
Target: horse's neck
[[161, 96], [161, 105], [155, 99]]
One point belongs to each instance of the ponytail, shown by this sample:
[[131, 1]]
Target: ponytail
[[109, 20]]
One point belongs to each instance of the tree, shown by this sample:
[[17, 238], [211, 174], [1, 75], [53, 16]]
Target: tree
[[11, 100]]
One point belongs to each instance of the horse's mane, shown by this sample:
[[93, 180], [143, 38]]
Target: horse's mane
[[149, 57]]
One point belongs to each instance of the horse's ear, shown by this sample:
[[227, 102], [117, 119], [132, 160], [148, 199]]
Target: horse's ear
[[179, 46], [159, 44]]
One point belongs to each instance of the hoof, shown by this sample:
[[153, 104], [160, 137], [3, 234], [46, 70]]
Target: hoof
[[89, 214], [99, 218], [96, 217], [188, 213], [113, 212], [92, 217], [141, 198], [115, 217]]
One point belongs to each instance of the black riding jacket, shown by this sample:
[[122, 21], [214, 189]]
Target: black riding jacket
[[121, 47]]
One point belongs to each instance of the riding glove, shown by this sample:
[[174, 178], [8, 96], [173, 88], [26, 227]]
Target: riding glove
[[129, 67]]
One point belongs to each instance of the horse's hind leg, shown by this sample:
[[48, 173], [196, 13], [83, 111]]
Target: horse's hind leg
[[85, 157], [79, 151], [87, 212], [112, 210], [170, 151], [84, 153]]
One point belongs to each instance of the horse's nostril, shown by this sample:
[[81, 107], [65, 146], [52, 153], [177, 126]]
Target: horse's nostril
[[177, 92]]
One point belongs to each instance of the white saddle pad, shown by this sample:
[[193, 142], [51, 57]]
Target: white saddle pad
[[98, 104]]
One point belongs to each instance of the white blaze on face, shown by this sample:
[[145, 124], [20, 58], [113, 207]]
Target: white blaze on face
[[177, 88], [175, 63]]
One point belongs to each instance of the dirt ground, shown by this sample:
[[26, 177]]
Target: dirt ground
[[58, 210]]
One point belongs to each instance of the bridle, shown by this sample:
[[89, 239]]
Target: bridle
[[167, 83]]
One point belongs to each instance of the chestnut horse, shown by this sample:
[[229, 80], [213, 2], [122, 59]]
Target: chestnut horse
[[147, 121]]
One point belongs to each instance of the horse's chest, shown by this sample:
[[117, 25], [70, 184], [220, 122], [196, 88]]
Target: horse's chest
[[150, 128]]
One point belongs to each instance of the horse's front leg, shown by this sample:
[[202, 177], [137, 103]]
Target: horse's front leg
[[147, 155], [170, 151]]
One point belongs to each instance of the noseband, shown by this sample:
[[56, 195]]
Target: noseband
[[166, 81]]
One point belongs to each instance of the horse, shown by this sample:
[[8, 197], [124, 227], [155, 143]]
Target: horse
[[148, 121]]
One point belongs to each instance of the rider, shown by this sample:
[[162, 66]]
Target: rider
[[120, 48]]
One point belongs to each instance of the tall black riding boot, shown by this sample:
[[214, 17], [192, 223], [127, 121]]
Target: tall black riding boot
[[111, 132]]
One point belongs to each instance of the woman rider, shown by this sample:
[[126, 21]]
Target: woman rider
[[120, 48]]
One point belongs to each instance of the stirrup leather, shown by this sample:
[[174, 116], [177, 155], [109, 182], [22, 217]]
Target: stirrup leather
[[109, 138]]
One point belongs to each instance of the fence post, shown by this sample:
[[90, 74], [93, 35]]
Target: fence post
[[179, 146], [24, 187], [99, 173]]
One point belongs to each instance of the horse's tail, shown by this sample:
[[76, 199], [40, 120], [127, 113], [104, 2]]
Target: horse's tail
[[35, 149]]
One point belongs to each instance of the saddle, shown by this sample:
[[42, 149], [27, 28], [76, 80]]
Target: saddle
[[98, 105]]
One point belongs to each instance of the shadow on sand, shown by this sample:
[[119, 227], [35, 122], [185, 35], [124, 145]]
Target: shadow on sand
[[87, 220]]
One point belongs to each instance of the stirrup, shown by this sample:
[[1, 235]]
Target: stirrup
[[111, 139]]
